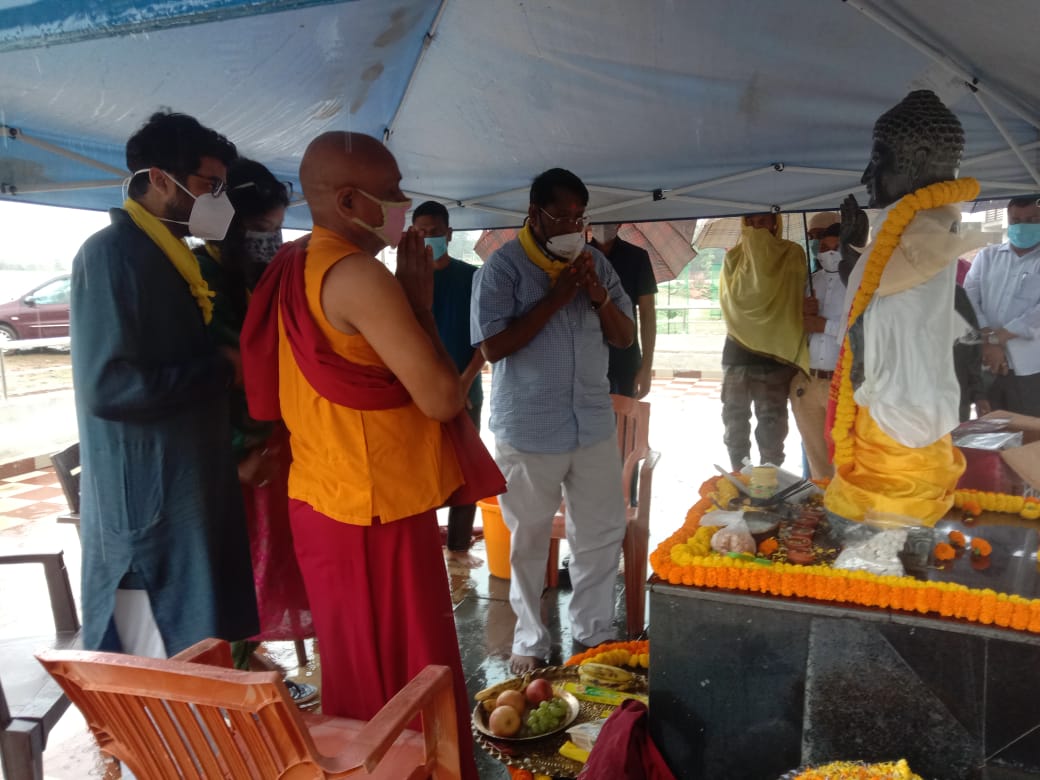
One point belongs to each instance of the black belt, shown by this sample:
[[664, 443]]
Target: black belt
[[818, 374]]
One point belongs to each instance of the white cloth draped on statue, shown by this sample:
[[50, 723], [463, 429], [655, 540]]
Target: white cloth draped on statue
[[909, 329]]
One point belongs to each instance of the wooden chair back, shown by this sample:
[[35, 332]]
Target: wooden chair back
[[67, 469], [633, 431], [187, 719]]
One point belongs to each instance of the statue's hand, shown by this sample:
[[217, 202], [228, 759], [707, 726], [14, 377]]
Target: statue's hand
[[853, 233], [854, 223]]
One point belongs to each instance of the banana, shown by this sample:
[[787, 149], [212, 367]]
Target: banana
[[492, 692], [603, 673]]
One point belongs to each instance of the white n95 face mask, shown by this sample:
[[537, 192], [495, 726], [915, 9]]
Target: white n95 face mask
[[210, 215], [604, 234], [568, 246], [829, 260]]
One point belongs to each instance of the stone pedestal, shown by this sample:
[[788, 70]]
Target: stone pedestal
[[747, 686]]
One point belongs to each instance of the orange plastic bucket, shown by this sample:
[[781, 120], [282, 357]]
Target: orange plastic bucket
[[496, 538]]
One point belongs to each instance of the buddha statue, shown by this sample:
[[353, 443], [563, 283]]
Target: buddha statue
[[897, 394]]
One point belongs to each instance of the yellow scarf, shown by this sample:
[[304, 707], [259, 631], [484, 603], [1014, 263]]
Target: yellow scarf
[[178, 253], [760, 294], [535, 254]]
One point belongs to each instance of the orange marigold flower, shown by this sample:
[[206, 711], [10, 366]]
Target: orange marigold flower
[[980, 548], [973, 507], [944, 552], [957, 539], [768, 546]]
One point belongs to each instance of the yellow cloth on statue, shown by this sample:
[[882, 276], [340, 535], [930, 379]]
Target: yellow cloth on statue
[[886, 476], [535, 254], [760, 293], [177, 252]]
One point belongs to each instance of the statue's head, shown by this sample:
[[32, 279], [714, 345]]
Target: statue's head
[[916, 143]]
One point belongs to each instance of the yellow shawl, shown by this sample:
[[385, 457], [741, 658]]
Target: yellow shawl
[[535, 254], [760, 293], [178, 253]]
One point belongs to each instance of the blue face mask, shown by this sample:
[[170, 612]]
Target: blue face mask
[[1024, 235], [814, 248], [439, 245]]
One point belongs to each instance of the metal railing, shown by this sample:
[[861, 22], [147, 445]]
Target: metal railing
[[20, 344]]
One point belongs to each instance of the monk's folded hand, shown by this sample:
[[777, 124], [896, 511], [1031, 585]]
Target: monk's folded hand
[[415, 270], [810, 306]]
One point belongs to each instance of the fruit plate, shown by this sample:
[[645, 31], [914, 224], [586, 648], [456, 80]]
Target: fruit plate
[[480, 719]]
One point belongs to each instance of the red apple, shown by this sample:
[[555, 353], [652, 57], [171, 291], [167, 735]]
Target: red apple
[[504, 721], [538, 690]]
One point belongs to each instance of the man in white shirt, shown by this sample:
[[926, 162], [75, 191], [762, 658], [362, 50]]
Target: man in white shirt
[[822, 315], [1004, 288]]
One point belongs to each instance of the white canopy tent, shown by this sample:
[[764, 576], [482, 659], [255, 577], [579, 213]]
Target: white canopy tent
[[666, 109]]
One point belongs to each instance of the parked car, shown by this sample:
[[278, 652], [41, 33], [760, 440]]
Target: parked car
[[43, 312]]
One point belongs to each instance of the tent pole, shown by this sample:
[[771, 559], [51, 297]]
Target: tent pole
[[808, 254], [1007, 137], [96, 184], [999, 153], [729, 204], [800, 204], [722, 180], [427, 40], [733, 204], [495, 210], [473, 201], [17, 135], [820, 171], [937, 56]]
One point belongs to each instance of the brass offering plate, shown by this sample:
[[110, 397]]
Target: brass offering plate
[[480, 719]]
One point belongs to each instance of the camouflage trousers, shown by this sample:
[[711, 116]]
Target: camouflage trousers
[[766, 388]]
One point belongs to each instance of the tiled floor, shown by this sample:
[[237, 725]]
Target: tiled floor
[[685, 428]]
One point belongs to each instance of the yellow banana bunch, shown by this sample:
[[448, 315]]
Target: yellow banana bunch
[[492, 692], [593, 673]]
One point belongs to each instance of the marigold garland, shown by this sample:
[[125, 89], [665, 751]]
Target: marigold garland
[[975, 502], [836, 585], [980, 548], [635, 648], [901, 215], [848, 770]]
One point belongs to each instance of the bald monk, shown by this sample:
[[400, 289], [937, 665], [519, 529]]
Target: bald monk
[[348, 356]]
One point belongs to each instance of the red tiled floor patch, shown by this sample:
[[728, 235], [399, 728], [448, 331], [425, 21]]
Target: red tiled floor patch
[[34, 511], [29, 475], [51, 494], [48, 478]]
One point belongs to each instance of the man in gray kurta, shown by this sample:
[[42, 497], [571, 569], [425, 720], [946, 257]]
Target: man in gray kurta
[[165, 551]]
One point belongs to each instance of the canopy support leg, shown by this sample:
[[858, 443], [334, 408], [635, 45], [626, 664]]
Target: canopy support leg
[[1007, 138], [427, 40], [938, 57]]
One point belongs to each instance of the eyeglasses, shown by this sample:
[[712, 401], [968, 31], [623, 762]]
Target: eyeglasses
[[581, 222], [217, 185]]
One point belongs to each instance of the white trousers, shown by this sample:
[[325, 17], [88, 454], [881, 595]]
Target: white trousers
[[589, 481], [136, 626]]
